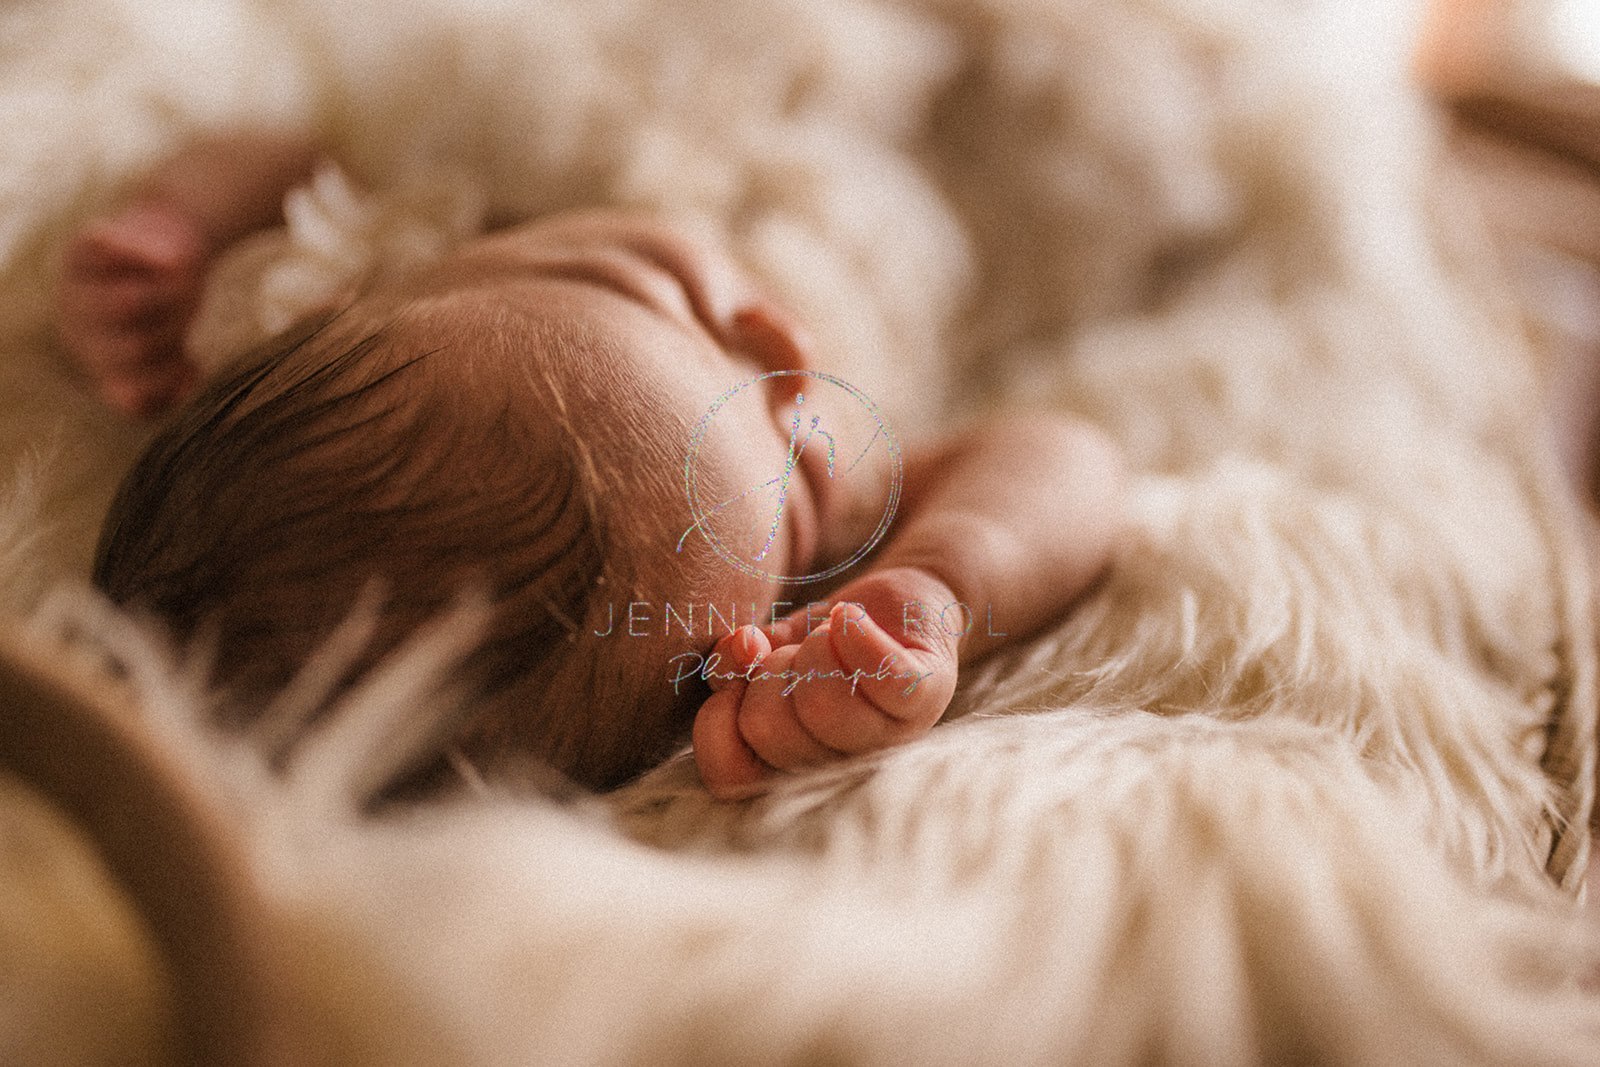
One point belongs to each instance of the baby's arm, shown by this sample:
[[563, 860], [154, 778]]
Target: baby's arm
[[1013, 520], [131, 279]]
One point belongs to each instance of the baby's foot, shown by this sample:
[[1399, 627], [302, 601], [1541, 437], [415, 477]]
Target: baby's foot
[[129, 287], [859, 682]]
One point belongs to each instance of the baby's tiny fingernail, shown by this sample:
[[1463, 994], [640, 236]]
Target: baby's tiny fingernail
[[747, 642], [848, 615]]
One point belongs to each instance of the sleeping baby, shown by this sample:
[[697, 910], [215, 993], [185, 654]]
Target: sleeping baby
[[689, 523]]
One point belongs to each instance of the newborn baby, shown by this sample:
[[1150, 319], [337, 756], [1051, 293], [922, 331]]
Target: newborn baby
[[611, 430]]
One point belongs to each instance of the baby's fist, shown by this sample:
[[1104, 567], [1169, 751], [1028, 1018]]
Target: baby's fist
[[129, 287], [859, 682]]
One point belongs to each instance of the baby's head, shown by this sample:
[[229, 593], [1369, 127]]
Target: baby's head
[[517, 420]]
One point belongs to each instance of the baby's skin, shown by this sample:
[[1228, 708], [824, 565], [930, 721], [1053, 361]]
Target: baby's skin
[[131, 280], [1013, 518]]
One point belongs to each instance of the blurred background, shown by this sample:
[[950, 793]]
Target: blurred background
[[1522, 81]]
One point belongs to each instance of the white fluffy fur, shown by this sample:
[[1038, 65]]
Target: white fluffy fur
[[1284, 788]]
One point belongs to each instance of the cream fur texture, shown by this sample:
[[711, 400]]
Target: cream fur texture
[[1303, 780]]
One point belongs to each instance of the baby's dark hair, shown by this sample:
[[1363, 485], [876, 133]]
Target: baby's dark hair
[[335, 458]]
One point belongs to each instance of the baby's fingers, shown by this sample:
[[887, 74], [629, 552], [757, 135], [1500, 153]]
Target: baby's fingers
[[136, 372], [141, 301], [911, 685], [143, 237], [831, 706], [792, 628], [149, 393], [767, 720], [732, 657], [728, 769]]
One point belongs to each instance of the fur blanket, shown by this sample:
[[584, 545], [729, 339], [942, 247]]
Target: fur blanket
[[1305, 777]]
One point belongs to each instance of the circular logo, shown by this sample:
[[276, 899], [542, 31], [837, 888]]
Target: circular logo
[[806, 431]]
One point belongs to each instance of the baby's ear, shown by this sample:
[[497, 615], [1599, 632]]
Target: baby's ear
[[769, 336]]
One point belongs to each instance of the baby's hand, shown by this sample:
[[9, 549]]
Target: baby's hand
[[129, 287], [858, 682]]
